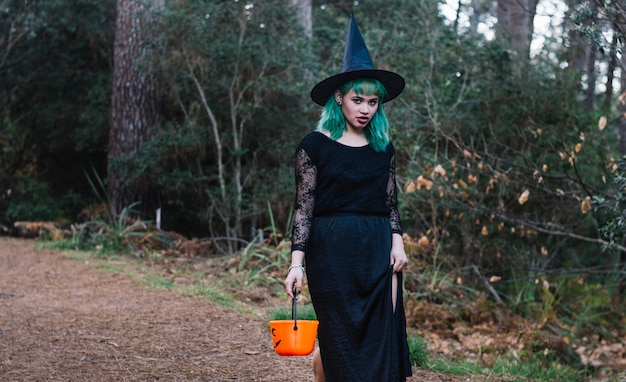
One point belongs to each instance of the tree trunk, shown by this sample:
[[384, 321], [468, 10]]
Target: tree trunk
[[135, 109], [590, 94], [479, 8], [610, 73], [515, 25], [620, 257], [305, 10]]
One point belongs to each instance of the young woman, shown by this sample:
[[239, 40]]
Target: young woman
[[347, 226]]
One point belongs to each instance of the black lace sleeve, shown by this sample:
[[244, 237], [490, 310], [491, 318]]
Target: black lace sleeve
[[306, 179], [392, 198]]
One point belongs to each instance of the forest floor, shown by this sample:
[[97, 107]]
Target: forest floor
[[62, 319], [70, 316]]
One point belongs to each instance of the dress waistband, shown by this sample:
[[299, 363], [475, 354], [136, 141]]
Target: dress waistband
[[333, 214]]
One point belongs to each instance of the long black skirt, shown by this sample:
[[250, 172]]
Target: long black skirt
[[361, 338]]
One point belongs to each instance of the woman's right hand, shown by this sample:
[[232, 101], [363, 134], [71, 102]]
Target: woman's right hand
[[294, 279]]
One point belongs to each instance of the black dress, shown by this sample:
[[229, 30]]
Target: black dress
[[345, 215]]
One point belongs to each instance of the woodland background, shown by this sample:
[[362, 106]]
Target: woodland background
[[183, 116]]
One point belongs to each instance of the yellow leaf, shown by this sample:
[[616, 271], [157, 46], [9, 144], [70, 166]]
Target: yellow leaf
[[544, 250], [442, 191], [411, 187], [459, 281], [585, 206], [494, 279], [467, 154], [544, 168], [582, 136], [424, 183], [523, 198], [484, 231], [578, 147], [472, 179], [463, 184], [539, 131], [611, 162], [602, 123], [439, 170], [480, 165], [423, 242], [560, 192]]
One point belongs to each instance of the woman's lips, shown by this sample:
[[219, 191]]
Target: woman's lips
[[362, 120]]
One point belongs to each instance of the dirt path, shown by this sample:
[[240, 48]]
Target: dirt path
[[66, 320]]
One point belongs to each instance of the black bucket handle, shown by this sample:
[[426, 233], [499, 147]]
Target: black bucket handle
[[293, 312]]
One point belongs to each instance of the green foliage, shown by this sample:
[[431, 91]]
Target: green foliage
[[158, 282], [455, 367], [418, 351], [232, 84], [612, 206], [543, 367], [589, 308], [115, 233], [591, 19], [213, 293], [304, 312], [31, 200], [54, 54]]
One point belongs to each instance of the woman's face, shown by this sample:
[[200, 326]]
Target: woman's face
[[358, 109]]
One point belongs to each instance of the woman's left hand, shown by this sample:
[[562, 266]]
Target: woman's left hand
[[398, 257]]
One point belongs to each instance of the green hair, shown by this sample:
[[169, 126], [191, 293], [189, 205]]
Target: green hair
[[333, 121]]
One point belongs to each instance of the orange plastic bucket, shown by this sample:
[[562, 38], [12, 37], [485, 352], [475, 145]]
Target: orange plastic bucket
[[293, 337]]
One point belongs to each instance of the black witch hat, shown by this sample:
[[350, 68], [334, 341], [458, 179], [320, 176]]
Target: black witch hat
[[357, 63]]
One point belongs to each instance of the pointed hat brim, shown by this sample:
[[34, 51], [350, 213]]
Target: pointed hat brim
[[357, 64], [393, 83]]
